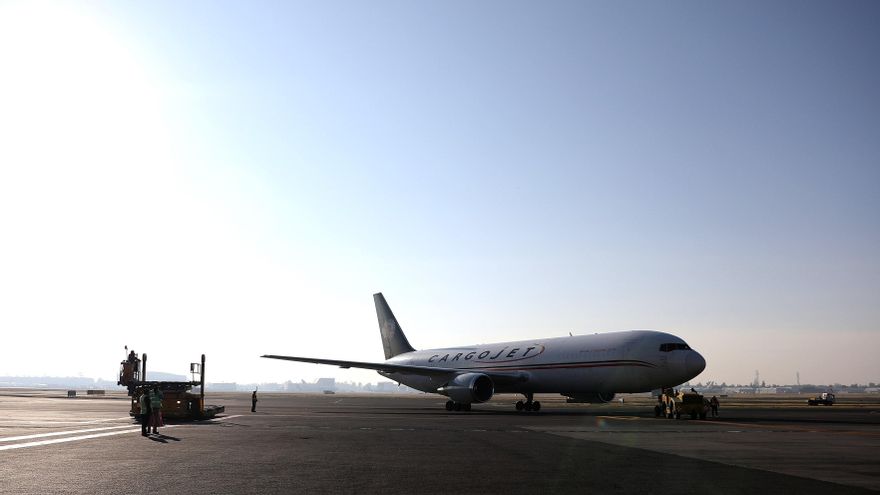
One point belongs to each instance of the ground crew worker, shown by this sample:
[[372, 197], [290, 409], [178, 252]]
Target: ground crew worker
[[713, 403], [254, 401], [156, 409], [145, 413]]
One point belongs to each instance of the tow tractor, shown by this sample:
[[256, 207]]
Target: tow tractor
[[178, 402], [826, 399], [673, 405]]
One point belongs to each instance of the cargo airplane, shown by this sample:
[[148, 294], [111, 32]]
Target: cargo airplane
[[585, 368]]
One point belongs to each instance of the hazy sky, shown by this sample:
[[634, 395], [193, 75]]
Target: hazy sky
[[238, 178]]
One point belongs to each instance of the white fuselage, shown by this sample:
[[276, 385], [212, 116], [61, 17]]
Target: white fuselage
[[618, 362]]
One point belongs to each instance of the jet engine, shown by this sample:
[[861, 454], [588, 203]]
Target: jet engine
[[591, 397], [468, 387]]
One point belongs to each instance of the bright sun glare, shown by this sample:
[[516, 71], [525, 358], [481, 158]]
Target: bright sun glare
[[83, 159], [72, 94], [104, 236]]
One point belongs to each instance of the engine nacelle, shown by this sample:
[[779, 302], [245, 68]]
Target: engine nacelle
[[468, 388], [591, 397]]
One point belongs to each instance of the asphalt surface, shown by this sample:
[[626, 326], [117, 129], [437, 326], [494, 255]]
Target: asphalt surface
[[410, 444]]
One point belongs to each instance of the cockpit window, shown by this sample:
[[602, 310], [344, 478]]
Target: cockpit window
[[674, 347]]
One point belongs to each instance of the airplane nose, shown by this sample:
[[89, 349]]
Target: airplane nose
[[694, 363]]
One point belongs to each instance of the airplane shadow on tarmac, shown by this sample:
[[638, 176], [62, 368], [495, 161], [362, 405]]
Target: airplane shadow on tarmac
[[489, 412], [737, 417]]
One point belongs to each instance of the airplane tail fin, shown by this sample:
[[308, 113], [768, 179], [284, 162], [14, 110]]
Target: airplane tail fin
[[393, 339]]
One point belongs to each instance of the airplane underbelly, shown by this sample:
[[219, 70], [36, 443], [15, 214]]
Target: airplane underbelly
[[617, 378]]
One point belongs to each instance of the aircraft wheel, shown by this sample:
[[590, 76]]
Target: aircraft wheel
[[449, 405], [519, 405], [528, 406], [458, 406], [536, 406], [465, 407]]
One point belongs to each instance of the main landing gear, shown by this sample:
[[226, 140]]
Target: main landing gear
[[529, 404], [457, 406]]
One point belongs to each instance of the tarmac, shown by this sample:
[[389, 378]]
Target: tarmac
[[370, 443]]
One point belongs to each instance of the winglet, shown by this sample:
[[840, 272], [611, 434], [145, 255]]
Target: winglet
[[393, 339]]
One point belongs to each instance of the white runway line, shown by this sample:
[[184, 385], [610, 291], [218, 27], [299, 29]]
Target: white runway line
[[51, 422], [106, 420], [67, 439], [226, 417], [133, 429], [59, 433]]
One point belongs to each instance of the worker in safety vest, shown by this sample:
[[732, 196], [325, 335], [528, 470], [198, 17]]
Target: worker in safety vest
[[713, 404], [144, 403], [156, 409]]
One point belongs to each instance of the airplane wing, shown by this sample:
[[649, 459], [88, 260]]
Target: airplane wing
[[503, 377], [388, 368]]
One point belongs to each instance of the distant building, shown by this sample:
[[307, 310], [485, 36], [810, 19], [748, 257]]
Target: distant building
[[320, 385], [326, 384], [737, 390], [386, 387]]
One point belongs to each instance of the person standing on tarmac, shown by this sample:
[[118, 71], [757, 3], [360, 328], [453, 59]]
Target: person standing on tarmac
[[254, 401], [145, 413], [156, 409], [713, 403]]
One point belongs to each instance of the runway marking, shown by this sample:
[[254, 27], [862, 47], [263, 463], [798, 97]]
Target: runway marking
[[224, 418], [67, 439], [58, 433], [763, 426], [89, 422], [75, 437], [622, 418], [807, 429]]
